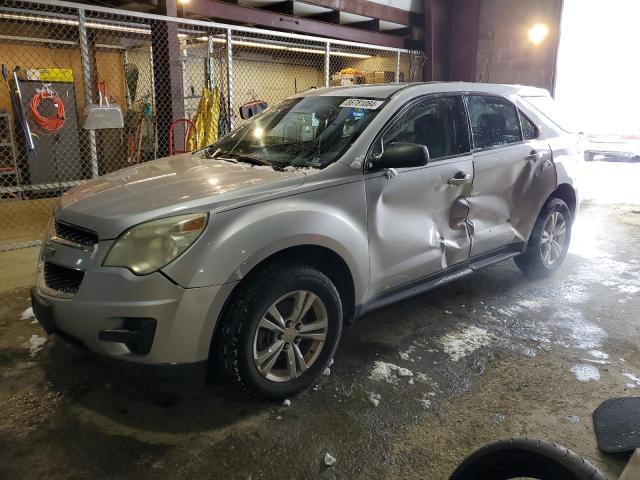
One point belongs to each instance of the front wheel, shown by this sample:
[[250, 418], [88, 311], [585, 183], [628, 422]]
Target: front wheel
[[281, 330], [549, 241]]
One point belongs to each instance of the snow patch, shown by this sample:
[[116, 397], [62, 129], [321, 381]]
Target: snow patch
[[388, 372], [531, 304], [585, 372], [27, 314], [464, 341], [633, 378], [375, 398], [328, 459], [629, 289], [286, 402], [598, 354], [35, 344]]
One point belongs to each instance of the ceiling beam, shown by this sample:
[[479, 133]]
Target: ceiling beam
[[372, 25], [262, 18], [331, 17], [367, 8], [285, 7]]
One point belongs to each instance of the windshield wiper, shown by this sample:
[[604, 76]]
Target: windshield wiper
[[252, 160]]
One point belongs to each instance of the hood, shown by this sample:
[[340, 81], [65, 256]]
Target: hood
[[168, 186]]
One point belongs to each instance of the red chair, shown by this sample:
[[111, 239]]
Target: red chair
[[188, 126]]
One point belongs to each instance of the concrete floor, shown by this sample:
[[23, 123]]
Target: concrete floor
[[493, 355]]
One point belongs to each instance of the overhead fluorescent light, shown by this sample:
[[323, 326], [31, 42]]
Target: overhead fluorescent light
[[147, 31]]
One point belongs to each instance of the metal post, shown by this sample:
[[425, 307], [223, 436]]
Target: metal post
[[88, 87], [230, 79], [327, 58], [153, 81], [210, 66], [398, 67]]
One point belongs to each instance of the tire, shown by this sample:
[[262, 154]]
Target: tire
[[250, 332], [526, 458], [533, 261]]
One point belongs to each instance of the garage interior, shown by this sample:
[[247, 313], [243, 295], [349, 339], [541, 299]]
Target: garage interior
[[491, 356]]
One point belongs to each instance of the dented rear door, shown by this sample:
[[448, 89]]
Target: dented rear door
[[512, 175], [417, 216]]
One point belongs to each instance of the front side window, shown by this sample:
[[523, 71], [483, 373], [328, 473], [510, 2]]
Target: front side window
[[299, 132], [494, 121], [435, 123]]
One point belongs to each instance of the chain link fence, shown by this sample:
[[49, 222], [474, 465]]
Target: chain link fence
[[89, 90]]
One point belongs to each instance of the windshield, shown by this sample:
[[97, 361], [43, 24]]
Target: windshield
[[300, 132]]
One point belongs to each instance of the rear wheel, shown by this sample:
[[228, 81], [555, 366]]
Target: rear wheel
[[281, 330], [549, 241]]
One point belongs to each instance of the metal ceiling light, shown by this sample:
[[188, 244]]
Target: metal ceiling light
[[538, 33]]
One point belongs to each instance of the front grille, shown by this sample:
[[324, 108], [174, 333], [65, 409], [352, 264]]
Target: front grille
[[61, 278], [75, 234]]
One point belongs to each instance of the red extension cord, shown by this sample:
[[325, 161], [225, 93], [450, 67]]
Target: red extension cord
[[54, 122]]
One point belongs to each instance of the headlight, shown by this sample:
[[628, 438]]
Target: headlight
[[147, 247]]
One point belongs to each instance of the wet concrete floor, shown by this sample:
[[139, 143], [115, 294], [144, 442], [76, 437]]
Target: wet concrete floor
[[488, 357]]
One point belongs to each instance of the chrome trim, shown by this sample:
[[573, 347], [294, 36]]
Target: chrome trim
[[69, 243]]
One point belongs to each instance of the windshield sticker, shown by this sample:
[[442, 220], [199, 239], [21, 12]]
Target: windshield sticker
[[362, 103]]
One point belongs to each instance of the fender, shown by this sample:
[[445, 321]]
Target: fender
[[237, 240]]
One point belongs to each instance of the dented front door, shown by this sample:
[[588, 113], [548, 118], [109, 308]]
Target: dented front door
[[417, 216]]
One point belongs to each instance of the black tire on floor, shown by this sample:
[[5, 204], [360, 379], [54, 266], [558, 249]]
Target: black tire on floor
[[531, 262], [249, 304], [526, 458]]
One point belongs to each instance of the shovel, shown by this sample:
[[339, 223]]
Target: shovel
[[103, 115]]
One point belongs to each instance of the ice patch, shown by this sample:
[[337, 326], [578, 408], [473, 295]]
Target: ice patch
[[27, 314], [585, 372], [388, 372], [464, 341]]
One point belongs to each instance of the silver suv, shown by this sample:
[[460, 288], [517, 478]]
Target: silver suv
[[246, 258]]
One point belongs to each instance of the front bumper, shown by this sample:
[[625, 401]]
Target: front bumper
[[170, 376]]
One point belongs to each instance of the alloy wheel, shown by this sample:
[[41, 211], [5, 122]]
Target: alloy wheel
[[290, 336], [553, 240]]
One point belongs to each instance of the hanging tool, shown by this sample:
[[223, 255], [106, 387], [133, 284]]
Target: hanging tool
[[16, 102], [103, 115]]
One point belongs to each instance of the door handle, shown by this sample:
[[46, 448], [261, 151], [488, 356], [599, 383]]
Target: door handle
[[534, 156], [460, 178]]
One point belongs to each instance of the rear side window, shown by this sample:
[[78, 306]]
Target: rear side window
[[437, 123], [529, 130], [494, 121]]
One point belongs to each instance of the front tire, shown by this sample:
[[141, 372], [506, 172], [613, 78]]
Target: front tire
[[549, 241], [281, 330]]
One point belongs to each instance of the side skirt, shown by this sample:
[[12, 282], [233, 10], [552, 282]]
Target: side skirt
[[450, 274]]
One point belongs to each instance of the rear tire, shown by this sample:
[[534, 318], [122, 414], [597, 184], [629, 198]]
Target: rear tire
[[264, 331], [526, 458], [549, 240]]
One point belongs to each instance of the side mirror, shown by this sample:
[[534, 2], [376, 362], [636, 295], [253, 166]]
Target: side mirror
[[403, 155], [250, 109]]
